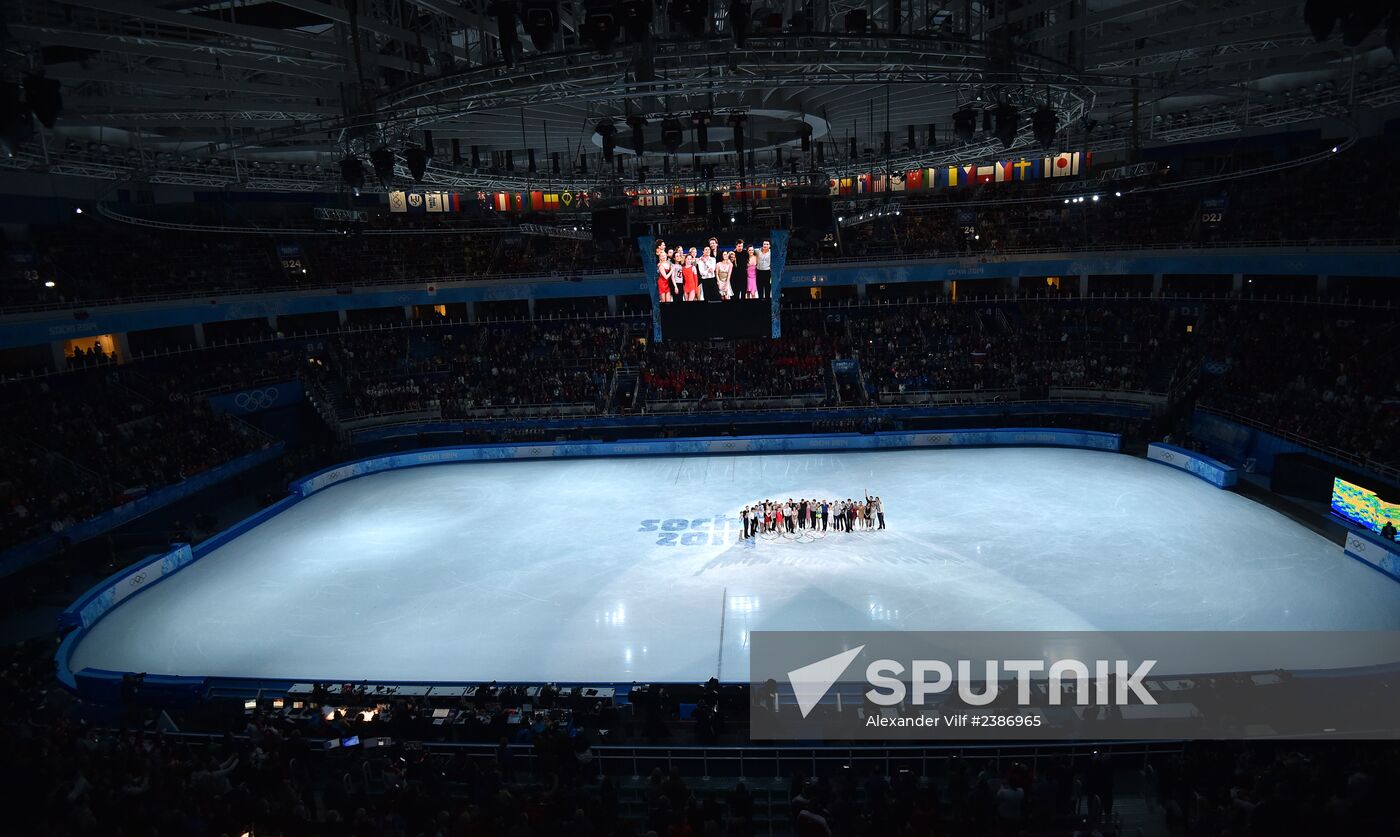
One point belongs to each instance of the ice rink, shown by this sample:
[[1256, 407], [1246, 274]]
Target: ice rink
[[616, 570]]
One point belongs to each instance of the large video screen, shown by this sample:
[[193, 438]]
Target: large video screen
[[1363, 506], [710, 286], [711, 271]]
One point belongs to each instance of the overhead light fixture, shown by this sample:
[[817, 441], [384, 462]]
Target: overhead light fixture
[[383, 161], [965, 123], [635, 19], [541, 19], [352, 171], [689, 15], [740, 18], [672, 133], [1045, 123], [600, 24], [504, 13], [1006, 118], [417, 161], [607, 131], [638, 125], [702, 129]]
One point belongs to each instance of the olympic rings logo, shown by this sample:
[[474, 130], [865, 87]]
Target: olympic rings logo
[[256, 399]]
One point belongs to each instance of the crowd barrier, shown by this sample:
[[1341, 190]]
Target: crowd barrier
[[1212, 471], [79, 617], [1371, 549], [18, 557], [718, 445], [1024, 410]]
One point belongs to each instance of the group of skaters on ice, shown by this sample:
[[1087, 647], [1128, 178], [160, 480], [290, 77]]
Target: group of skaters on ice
[[777, 517]]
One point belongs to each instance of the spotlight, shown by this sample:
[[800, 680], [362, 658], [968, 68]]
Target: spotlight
[[1096, 198], [506, 19], [541, 22], [1006, 119], [600, 24], [702, 130], [965, 123], [736, 121], [78, 211], [638, 125], [383, 161], [635, 16], [689, 15], [1045, 122], [352, 171], [608, 132], [740, 17], [417, 161], [672, 134], [1118, 194]]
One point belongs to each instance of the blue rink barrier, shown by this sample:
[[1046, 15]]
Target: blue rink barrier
[[1373, 550], [1213, 471], [79, 617], [718, 445]]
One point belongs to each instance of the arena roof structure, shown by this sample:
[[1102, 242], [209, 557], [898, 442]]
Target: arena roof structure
[[491, 93]]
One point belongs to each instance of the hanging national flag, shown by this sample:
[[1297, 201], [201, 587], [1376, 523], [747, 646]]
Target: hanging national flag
[[1003, 171], [953, 172], [1062, 165], [1024, 170], [899, 182], [985, 174], [967, 175], [536, 201], [914, 179], [500, 201]]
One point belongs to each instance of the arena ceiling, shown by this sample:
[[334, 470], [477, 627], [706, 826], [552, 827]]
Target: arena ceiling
[[273, 94]]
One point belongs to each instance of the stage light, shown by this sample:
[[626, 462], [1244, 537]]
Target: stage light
[[702, 130], [1006, 119], [689, 15], [736, 121], [740, 17], [600, 24], [506, 19], [1096, 198], [352, 171], [1118, 194], [530, 161], [965, 123], [635, 18], [608, 132], [78, 211], [1045, 122], [44, 97], [804, 134], [383, 161], [417, 161], [456, 152], [672, 133], [49, 283], [638, 125], [541, 19], [932, 134]]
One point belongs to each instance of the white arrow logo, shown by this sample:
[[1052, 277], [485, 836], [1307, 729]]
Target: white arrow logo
[[811, 682]]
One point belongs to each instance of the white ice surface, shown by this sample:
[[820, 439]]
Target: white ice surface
[[544, 570]]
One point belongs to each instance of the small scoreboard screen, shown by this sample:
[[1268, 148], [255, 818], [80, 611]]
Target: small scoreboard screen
[[715, 287]]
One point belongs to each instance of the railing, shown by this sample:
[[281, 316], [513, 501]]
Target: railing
[[993, 256], [1384, 469]]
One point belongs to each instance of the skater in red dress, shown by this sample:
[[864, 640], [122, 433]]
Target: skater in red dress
[[692, 280]]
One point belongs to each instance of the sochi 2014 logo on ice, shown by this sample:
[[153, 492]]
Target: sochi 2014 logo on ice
[[719, 530]]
